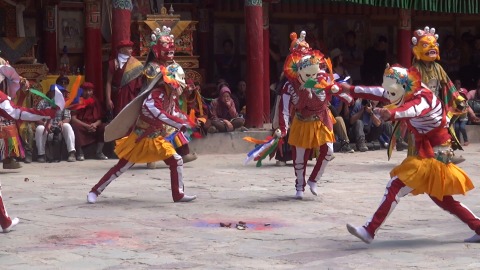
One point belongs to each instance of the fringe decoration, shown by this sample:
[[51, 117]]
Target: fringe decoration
[[2, 149], [177, 139], [10, 142], [261, 151]]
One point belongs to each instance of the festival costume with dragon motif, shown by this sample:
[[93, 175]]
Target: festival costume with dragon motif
[[312, 124], [430, 170], [10, 112], [282, 120], [426, 52], [157, 109]]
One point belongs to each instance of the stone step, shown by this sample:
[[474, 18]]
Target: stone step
[[227, 143], [233, 143]]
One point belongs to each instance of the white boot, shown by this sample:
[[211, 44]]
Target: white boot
[[360, 232], [299, 195], [14, 222], [91, 197], [189, 158], [187, 198], [474, 239], [151, 165], [280, 163], [313, 187]]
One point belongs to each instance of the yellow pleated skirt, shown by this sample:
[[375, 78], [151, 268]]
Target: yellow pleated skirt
[[309, 134], [433, 177], [145, 151]]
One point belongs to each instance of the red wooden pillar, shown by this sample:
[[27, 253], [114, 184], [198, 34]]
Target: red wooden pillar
[[50, 46], [255, 71], [93, 46], [121, 17], [404, 34], [266, 63]]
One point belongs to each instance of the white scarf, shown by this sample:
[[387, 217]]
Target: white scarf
[[122, 59]]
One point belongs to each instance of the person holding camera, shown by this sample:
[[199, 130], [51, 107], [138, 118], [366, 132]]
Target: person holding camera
[[55, 128], [365, 125]]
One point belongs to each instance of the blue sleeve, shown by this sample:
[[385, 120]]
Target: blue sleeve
[[356, 108]]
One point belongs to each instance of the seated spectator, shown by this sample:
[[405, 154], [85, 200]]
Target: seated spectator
[[339, 128], [87, 123], [473, 106], [55, 128], [196, 103], [63, 81], [386, 135], [241, 98], [384, 140], [366, 125], [461, 122], [340, 131], [224, 115]]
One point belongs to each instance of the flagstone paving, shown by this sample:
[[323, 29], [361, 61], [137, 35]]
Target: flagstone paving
[[135, 224]]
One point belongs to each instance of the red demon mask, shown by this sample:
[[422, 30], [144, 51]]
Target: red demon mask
[[163, 45]]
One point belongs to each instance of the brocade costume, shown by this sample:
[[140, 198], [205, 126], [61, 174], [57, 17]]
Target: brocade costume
[[430, 171]]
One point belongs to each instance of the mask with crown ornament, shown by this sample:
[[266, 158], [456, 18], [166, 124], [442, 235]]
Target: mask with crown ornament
[[163, 46], [303, 63], [425, 45]]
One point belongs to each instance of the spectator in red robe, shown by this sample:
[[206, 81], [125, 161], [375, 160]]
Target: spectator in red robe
[[124, 78], [87, 123], [196, 103]]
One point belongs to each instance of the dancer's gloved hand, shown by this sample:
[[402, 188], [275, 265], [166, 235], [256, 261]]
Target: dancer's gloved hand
[[184, 127], [384, 113], [278, 133], [346, 88]]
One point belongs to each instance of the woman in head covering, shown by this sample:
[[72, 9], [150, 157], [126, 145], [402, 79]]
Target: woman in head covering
[[224, 115]]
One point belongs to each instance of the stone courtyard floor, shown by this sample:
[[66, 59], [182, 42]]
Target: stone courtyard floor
[[135, 224]]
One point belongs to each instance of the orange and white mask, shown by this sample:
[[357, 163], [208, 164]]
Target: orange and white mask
[[425, 45]]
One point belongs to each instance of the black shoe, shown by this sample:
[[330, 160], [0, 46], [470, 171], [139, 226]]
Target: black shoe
[[362, 147], [28, 158], [41, 159], [401, 145], [347, 149]]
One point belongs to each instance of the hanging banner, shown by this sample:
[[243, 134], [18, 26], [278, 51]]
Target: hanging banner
[[50, 19]]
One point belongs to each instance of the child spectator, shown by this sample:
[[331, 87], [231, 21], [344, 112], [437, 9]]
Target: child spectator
[[196, 103], [471, 97], [87, 123], [241, 97]]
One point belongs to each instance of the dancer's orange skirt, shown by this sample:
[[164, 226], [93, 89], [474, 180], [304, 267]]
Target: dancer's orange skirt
[[144, 151], [428, 175], [309, 134]]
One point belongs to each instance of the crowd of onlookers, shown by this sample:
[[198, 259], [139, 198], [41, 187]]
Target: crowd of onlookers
[[461, 61], [358, 127], [79, 126]]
